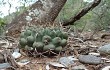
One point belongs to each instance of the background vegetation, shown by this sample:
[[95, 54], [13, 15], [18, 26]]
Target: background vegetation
[[96, 19]]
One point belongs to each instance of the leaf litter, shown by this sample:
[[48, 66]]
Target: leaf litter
[[75, 48]]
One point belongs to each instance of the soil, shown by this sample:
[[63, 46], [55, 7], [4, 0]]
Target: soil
[[81, 45]]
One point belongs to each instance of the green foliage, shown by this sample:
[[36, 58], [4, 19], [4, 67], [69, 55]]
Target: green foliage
[[70, 9], [2, 24], [99, 17]]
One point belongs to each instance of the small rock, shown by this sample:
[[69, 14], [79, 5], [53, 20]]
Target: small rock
[[93, 46], [64, 69], [55, 64], [95, 54], [47, 67], [106, 68], [17, 50], [66, 61], [16, 55], [90, 59], [107, 61], [4, 65], [80, 67], [72, 58], [23, 62], [104, 49]]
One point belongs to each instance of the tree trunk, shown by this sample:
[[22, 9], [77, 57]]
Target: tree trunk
[[54, 11], [41, 12], [81, 13]]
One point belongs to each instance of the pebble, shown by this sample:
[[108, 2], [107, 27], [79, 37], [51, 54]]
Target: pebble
[[79, 67], [23, 62], [89, 59], [103, 58], [47, 67], [93, 46], [16, 55], [105, 49], [95, 54], [55, 64], [107, 61], [66, 61], [72, 58], [4, 65], [106, 68], [63, 69]]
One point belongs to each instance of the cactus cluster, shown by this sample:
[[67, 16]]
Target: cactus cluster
[[43, 39]]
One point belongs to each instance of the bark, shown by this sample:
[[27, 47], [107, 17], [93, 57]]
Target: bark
[[83, 12], [53, 13], [40, 13]]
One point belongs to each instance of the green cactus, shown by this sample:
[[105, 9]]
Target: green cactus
[[28, 48], [22, 42], [58, 32], [46, 31], [56, 41], [46, 38], [33, 32], [38, 37], [65, 35], [58, 49], [43, 39], [28, 32], [22, 35], [63, 42], [30, 40], [49, 46], [52, 34], [38, 45]]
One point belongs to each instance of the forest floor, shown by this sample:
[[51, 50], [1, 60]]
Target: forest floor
[[82, 45]]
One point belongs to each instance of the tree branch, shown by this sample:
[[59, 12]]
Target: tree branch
[[83, 12]]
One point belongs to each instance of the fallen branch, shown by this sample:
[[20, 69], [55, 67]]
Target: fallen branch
[[106, 36], [9, 58]]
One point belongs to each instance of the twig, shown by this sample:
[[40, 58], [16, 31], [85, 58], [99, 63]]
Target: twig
[[11, 59]]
